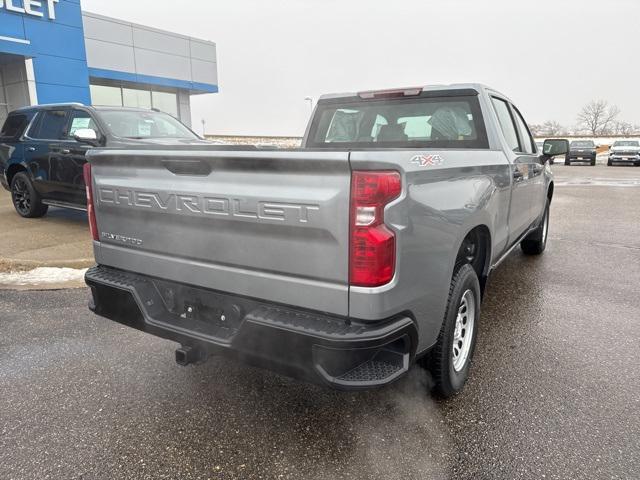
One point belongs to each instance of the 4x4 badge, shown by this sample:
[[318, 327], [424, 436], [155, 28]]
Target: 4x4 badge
[[427, 160]]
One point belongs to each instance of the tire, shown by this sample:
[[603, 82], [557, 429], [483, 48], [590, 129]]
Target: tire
[[26, 200], [460, 325], [536, 242], [609, 163], [567, 161], [593, 162]]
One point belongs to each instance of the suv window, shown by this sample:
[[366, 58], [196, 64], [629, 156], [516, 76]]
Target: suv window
[[80, 120], [50, 125], [506, 123], [528, 145], [14, 126]]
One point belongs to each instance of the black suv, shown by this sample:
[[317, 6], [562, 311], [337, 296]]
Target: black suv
[[43, 148], [582, 151]]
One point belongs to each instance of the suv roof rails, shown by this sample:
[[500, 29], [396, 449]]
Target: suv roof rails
[[46, 105]]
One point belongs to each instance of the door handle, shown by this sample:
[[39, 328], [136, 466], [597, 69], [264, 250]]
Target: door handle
[[31, 149], [65, 151]]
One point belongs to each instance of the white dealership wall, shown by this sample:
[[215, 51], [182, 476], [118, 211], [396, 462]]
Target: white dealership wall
[[137, 56]]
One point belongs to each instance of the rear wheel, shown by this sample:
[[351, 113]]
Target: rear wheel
[[26, 200], [536, 242], [567, 161], [593, 162], [450, 360]]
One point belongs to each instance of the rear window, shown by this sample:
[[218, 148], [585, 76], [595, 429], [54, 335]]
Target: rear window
[[14, 126], [416, 122], [583, 144]]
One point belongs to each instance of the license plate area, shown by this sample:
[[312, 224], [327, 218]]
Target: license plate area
[[199, 312]]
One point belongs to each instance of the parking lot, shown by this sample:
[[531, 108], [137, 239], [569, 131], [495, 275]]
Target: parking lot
[[553, 392]]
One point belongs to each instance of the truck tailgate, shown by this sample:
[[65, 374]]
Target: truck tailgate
[[266, 224]]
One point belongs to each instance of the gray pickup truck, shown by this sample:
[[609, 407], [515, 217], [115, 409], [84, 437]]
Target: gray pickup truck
[[343, 262]]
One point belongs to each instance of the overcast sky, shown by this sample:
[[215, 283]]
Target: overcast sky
[[550, 56]]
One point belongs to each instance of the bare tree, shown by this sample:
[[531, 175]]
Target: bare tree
[[536, 130], [597, 117], [624, 128], [553, 128]]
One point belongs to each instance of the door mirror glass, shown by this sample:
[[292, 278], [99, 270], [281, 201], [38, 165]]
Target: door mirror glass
[[86, 135], [554, 147]]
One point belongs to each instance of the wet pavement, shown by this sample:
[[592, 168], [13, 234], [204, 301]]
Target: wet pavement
[[554, 391], [59, 239]]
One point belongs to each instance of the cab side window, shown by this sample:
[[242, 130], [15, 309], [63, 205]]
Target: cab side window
[[528, 145], [506, 123], [50, 125]]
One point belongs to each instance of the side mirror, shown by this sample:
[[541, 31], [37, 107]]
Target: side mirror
[[87, 135], [554, 147]]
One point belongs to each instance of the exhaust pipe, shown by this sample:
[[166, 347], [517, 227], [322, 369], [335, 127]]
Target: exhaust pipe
[[186, 355]]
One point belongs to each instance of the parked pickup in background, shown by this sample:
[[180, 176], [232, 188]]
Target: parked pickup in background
[[343, 262], [41, 160], [582, 151], [624, 151]]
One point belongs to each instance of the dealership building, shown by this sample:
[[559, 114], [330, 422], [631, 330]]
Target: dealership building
[[53, 52]]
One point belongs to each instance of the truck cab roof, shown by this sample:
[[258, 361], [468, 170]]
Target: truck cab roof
[[469, 87]]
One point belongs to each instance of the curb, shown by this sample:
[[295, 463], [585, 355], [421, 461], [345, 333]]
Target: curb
[[13, 265]]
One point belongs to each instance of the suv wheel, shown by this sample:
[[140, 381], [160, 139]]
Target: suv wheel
[[26, 200], [450, 360], [567, 161], [536, 241]]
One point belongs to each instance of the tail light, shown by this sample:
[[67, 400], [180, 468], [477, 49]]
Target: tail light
[[91, 211], [372, 260]]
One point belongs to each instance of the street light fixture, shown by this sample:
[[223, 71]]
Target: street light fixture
[[310, 100]]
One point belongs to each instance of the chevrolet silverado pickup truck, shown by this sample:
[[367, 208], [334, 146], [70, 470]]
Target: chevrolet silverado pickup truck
[[343, 262]]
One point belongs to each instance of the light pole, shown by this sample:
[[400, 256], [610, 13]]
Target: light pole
[[310, 100]]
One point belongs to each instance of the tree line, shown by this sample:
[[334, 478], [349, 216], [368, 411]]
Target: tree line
[[596, 118]]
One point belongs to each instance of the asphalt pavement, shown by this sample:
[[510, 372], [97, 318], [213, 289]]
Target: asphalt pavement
[[59, 239], [554, 391]]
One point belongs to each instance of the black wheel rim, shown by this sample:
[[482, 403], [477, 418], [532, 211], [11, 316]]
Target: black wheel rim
[[21, 196]]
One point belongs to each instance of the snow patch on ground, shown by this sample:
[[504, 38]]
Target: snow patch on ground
[[42, 275]]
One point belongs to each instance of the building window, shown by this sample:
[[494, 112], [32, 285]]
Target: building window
[[134, 97], [166, 102], [106, 96]]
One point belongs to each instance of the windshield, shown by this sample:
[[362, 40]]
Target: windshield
[[626, 143], [454, 122], [142, 125], [583, 144]]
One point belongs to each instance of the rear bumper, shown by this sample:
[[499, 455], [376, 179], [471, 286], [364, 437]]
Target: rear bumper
[[340, 352], [584, 157]]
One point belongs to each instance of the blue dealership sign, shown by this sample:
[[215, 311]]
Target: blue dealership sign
[[51, 33]]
